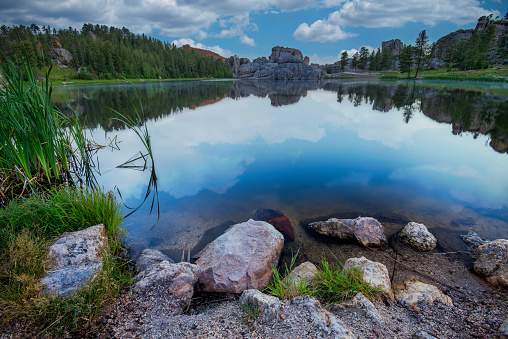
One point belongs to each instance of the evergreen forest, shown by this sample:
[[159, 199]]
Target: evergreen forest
[[102, 52]]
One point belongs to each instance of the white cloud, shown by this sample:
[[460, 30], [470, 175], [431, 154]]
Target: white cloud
[[247, 41], [322, 60], [396, 13], [352, 51], [321, 31], [217, 49]]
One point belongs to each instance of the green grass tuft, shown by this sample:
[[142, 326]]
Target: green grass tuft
[[284, 288], [336, 286]]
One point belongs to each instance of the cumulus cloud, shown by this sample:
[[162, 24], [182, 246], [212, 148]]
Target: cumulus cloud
[[395, 13], [352, 51], [247, 41], [172, 18], [217, 49], [321, 31]]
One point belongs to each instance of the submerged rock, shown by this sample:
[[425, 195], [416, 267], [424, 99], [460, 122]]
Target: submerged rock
[[418, 236], [493, 262], [240, 259], [269, 308], [75, 258], [277, 219], [413, 292], [473, 239], [368, 231], [374, 273]]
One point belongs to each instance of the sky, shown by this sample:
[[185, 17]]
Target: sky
[[321, 29]]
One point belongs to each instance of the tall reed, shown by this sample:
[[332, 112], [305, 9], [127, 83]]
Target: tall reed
[[35, 147]]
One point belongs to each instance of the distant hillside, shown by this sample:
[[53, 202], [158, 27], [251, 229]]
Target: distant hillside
[[204, 52], [102, 52]]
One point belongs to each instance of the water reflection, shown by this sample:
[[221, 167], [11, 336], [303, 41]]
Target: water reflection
[[224, 149]]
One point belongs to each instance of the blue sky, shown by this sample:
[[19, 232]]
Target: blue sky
[[321, 29]]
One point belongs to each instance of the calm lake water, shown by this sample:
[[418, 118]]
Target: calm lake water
[[431, 152]]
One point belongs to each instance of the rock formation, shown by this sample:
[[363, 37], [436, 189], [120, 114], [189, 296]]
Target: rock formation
[[61, 56], [395, 45], [283, 64]]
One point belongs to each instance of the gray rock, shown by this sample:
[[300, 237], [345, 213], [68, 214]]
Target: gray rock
[[324, 321], [61, 56], [74, 260], [248, 70], [413, 292], [362, 303], [504, 327], [150, 257], [178, 279], [368, 231], [279, 52], [395, 45], [374, 273], [418, 236], [306, 271], [493, 262], [422, 335], [473, 239], [240, 259], [269, 308], [333, 227]]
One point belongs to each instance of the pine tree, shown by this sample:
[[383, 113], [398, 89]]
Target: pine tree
[[406, 60], [421, 50], [343, 60]]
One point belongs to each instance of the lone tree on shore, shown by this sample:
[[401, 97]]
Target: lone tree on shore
[[421, 50], [343, 60], [406, 60]]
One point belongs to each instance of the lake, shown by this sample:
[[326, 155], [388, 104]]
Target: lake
[[429, 152]]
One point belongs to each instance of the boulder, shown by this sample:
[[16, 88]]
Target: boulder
[[368, 231], [306, 271], [413, 292], [74, 259], [269, 308], [362, 303], [374, 273], [242, 258], [177, 279], [493, 262], [277, 219], [150, 257], [279, 52], [418, 236], [324, 321]]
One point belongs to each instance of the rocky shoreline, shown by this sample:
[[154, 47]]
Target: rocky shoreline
[[427, 295]]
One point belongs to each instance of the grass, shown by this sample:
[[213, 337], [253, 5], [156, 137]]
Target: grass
[[334, 286], [35, 139], [249, 314], [28, 226], [464, 78], [284, 288]]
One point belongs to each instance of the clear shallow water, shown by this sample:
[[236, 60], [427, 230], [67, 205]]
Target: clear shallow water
[[426, 152]]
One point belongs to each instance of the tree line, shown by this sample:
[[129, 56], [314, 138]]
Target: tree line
[[102, 52]]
